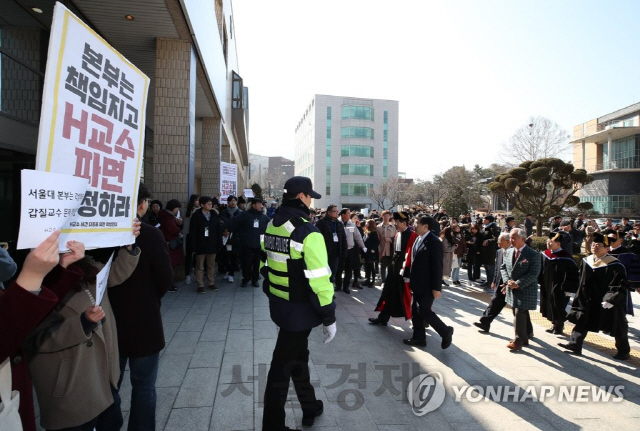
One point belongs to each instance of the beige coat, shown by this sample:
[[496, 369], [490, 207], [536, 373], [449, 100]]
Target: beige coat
[[447, 259], [72, 372], [389, 231]]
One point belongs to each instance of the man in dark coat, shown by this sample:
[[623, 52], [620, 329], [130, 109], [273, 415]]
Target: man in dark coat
[[207, 235], [630, 261], [528, 225], [489, 246], [559, 278], [395, 300], [600, 303], [425, 281], [136, 308], [335, 240], [249, 225]]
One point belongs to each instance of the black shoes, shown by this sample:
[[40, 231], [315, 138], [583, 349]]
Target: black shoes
[[444, 283], [447, 338], [213, 287], [412, 342], [621, 356], [554, 331], [172, 289], [483, 328], [573, 348], [255, 284], [244, 283], [200, 289], [346, 290], [377, 321], [456, 283], [308, 420]]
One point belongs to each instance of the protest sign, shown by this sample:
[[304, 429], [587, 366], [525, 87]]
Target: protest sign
[[228, 180], [248, 193], [92, 126], [49, 201], [101, 280]]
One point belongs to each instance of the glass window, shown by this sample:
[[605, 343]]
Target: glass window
[[355, 189], [358, 113], [357, 132]]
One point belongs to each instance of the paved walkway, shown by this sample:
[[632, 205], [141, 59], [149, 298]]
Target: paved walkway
[[219, 345]]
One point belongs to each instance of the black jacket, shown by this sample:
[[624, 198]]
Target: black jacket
[[489, 233], [243, 226], [136, 302], [425, 273], [205, 244], [326, 228], [372, 242]]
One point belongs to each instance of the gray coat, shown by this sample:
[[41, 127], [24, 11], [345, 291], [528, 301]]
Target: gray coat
[[525, 273]]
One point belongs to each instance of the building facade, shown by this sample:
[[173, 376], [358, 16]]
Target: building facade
[[197, 108], [347, 146], [608, 148]]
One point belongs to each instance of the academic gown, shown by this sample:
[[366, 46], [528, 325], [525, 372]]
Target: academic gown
[[631, 263], [600, 280], [395, 299], [558, 277]]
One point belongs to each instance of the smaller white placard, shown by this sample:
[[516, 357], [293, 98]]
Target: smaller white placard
[[248, 193], [48, 202], [101, 280]]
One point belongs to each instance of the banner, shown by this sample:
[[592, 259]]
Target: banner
[[92, 126], [228, 180]]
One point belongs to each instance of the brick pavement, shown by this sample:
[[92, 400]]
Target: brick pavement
[[217, 342]]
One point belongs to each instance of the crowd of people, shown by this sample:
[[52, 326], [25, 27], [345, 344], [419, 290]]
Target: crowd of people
[[73, 346]]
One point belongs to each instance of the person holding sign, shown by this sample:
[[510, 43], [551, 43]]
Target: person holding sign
[[74, 351], [26, 302]]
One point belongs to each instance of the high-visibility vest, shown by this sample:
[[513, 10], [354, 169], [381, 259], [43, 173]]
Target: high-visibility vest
[[289, 276]]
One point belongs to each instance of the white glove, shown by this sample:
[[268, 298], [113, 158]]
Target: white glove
[[329, 332], [606, 305], [406, 280], [364, 249]]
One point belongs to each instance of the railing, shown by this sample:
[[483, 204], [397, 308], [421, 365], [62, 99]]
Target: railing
[[627, 163], [616, 124]]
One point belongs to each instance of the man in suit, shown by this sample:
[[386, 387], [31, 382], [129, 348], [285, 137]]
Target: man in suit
[[498, 301], [520, 268], [425, 281]]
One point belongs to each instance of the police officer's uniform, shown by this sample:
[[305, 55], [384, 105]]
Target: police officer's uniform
[[300, 294]]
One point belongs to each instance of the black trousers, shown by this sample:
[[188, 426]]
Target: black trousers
[[498, 301], [421, 312], [473, 266], [350, 264], [290, 362], [621, 336], [521, 324], [370, 271], [250, 264]]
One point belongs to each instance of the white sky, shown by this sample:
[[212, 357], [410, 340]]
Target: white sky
[[466, 73]]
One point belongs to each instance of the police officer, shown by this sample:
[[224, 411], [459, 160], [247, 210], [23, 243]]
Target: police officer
[[300, 294]]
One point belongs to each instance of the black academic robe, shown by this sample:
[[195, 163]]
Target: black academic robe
[[631, 263], [558, 277], [600, 280], [394, 290]]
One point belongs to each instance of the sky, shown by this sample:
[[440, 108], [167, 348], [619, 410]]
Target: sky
[[466, 74]]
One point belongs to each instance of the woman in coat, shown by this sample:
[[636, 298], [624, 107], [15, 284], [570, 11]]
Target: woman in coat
[[170, 226], [460, 250], [74, 359], [449, 247], [474, 262], [26, 302], [371, 242]]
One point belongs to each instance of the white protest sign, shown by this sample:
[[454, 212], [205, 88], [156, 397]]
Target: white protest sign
[[248, 193], [48, 202], [101, 280], [228, 180], [92, 126]]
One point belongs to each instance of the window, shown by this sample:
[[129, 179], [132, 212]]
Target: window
[[355, 169], [357, 112], [355, 189], [385, 145], [356, 151], [614, 204], [357, 132], [328, 154]]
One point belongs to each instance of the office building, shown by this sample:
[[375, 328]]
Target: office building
[[608, 148], [347, 146], [197, 108]]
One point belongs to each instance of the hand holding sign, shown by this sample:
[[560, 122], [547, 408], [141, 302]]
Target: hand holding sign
[[39, 262], [77, 253], [95, 313]]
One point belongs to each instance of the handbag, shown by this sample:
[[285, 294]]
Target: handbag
[[175, 243], [9, 401]]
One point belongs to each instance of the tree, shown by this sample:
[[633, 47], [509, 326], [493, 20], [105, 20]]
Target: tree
[[388, 193], [540, 138], [427, 192], [455, 201], [543, 187]]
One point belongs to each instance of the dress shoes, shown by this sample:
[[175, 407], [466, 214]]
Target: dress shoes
[[346, 290], [308, 420], [515, 346], [525, 344], [377, 321], [356, 285], [255, 284], [483, 328], [573, 348], [412, 342], [621, 356], [554, 331], [447, 338]]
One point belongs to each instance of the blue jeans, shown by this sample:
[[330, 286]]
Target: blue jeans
[[143, 373], [455, 272]]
